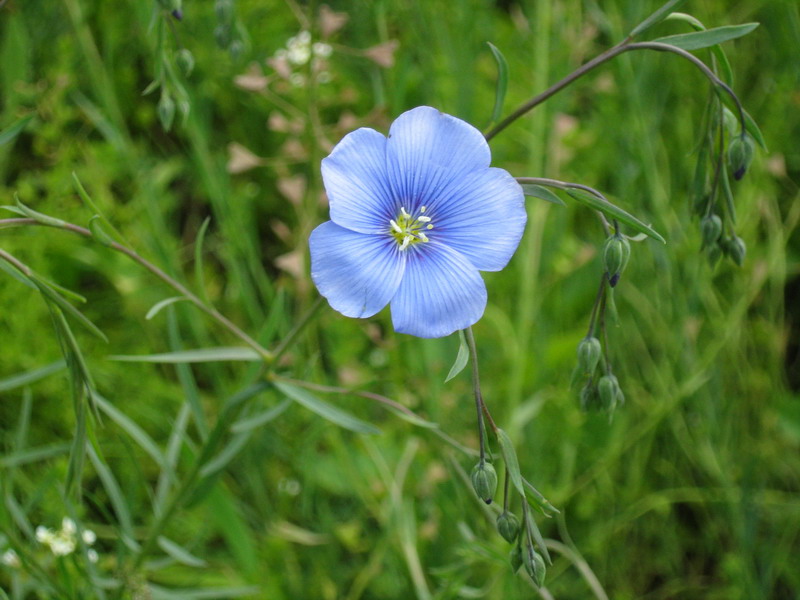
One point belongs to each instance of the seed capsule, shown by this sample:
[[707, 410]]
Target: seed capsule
[[484, 481]]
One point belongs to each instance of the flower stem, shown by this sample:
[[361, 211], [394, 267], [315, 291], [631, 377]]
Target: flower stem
[[624, 46], [597, 301], [265, 354], [480, 405]]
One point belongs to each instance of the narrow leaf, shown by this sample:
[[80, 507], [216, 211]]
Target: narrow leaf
[[29, 455], [159, 306], [179, 553], [198, 258], [51, 294], [538, 501], [127, 424], [723, 64], [461, 358], [656, 17], [29, 377], [19, 276], [226, 455], [541, 192], [114, 492], [510, 458], [221, 354], [260, 419], [614, 212], [326, 411], [710, 37], [13, 130], [502, 82]]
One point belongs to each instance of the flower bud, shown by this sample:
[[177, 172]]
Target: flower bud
[[711, 228], [616, 252], [484, 481], [515, 558], [714, 252], [508, 526], [740, 155], [534, 566], [736, 249], [608, 391], [223, 36], [589, 352], [589, 398], [185, 61], [166, 110]]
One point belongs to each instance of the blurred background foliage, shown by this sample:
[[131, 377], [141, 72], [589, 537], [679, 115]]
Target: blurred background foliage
[[691, 491]]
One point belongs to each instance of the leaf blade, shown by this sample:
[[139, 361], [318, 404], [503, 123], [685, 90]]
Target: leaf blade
[[615, 212], [325, 410], [217, 354], [697, 40]]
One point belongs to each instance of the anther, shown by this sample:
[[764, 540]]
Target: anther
[[424, 219]]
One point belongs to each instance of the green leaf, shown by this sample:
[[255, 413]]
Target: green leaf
[[538, 501], [138, 434], [157, 592], [53, 295], [461, 358], [226, 455], [29, 455], [502, 82], [159, 306], [29, 377], [541, 192], [710, 37], [98, 233], [323, 409], [13, 130], [510, 458], [16, 274], [614, 212], [723, 64], [179, 553], [656, 17], [220, 354], [260, 419], [115, 495]]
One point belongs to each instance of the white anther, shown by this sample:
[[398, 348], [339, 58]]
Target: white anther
[[422, 209], [395, 226], [424, 219], [406, 241], [422, 236], [429, 227], [404, 212]]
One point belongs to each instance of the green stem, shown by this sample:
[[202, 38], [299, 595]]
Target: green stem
[[598, 299], [284, 345], [620, 48], [265, 354], [476, 388]]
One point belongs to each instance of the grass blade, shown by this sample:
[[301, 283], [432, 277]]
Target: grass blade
[[502, 82], [461, 358], [327, 411], [219, 354], [658, 16], [614, 212], [29, 377], [710, 37]]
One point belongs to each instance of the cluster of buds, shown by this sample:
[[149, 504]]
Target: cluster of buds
[[64, 541], [600, 390]]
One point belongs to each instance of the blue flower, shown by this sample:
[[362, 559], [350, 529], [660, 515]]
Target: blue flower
[[414, 217]]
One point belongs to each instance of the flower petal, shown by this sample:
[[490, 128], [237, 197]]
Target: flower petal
[[427, 150], [441, 292], [483, 217], [358, 273], [357, 183]]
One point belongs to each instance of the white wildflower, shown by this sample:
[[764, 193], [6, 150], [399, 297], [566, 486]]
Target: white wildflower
[[89, 536], [322, 49], [93, 556], [10, 558]]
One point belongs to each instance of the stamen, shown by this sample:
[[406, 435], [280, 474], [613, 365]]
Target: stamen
[[406, 241], [395, 226], [422, 236], [422, 209], [429, 227], [424, 219], [404, 212]]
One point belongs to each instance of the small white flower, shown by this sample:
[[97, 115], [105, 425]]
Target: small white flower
[[89, 536], [68, 526], [61, 546], [298, 55], [10, 558], [44, 535], [322, 49], [304, 37], [93, 556]]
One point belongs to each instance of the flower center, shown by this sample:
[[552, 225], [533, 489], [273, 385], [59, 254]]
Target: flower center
[[409, 230]]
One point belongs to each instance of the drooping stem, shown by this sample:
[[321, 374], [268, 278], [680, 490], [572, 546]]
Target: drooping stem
[[476, 389], [596, 308], [265, 354], [624, 46]]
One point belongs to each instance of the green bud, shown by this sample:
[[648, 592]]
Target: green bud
[[484, 481], [222, 33], [737, 250], [589, 352], [616, 252], [714, 253], [224, 10], [589, 397], [166, 110], [515, 557], [608, 391], [185, 61], [236, 49], [740, 155], [508, 526], [534, 566], [711, 228]]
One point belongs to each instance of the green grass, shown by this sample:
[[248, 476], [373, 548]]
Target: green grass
[[691, 491]]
